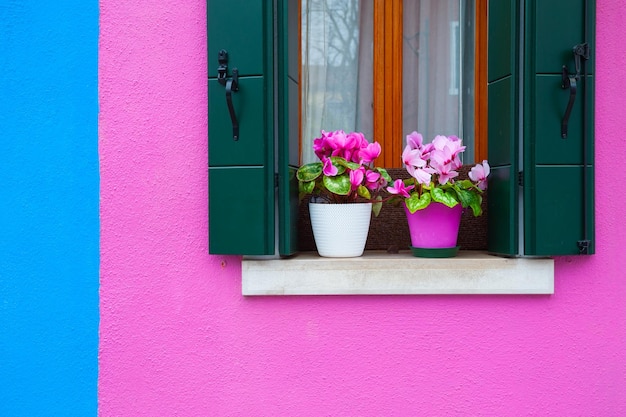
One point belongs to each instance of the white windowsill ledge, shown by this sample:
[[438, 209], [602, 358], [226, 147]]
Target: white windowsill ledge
[[375, 272]]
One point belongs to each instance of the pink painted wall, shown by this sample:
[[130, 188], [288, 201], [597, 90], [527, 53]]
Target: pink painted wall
[[177, 337]]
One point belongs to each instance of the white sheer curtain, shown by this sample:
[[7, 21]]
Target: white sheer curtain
[[438, 68], [337, 69]]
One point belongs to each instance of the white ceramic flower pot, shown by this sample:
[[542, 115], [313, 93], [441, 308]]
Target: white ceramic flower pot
[[340, 230]]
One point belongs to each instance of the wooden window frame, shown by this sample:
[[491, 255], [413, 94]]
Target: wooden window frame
[[387, 87], [388, 81]]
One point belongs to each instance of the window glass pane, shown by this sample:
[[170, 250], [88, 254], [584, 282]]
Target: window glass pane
[[336, 68], [438, 69]]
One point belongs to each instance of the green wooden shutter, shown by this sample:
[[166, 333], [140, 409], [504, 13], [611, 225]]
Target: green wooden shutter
[[288, 44], [558, 193], [248, 172], [551, 209], [502, 131]]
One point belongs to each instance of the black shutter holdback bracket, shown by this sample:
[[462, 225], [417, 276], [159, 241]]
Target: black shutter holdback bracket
[[568, 80], [232, 86]]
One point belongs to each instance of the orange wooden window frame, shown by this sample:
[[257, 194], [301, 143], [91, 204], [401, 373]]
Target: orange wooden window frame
[[387, 74], [480, 83], [388, 81]]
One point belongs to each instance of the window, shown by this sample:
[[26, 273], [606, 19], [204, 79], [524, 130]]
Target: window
[[387, 68], [541, 195]]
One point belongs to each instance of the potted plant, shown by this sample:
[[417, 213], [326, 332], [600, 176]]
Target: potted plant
[[434, 196], [345, 188]]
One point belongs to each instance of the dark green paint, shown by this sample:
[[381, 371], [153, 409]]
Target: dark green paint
[[503, 128], [557, 197], [555, 192], [238, 218], [243, 174], [554, 226], [501, 38], [250, 106], [288, 124], [240, 27]]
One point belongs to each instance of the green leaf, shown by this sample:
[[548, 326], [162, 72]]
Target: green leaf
[[342, 164], [443, 197], [416, 202], [465, 184], [465, 197], [309, 172], [363, 192], [306, 187], [377, 206], [383, 172], [339, 184], [476, 204]]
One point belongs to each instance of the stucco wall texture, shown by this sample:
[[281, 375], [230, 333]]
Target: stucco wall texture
[[178, 339]]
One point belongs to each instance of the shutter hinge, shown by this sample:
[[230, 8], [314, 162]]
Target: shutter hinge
[[520, 178], [275, 180], [583, 247]]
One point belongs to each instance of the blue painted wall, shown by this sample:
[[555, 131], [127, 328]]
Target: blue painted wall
[[49, 227]]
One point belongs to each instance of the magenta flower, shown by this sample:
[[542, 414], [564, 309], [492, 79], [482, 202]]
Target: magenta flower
[[479, 174], [373, 180], [344, 145], [400, 188], [369, 152], [329, 169], [321, 148], [356, 178], [348, 175]]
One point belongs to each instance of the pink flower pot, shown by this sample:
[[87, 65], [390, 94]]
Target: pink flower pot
[[436, 226]]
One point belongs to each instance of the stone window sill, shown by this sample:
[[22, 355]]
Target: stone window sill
[[378, 272]]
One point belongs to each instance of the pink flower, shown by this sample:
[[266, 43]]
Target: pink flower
[[422, 175], [444, 169], [447, 150], [370, 152], [399, 188], [373, 180], [479, 174], [329, 169], [413, 157], [356, 178], [344, 145], [415, 140], [321, 147]]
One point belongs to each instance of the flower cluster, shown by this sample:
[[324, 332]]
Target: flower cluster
[[345, 171], [434, 170]]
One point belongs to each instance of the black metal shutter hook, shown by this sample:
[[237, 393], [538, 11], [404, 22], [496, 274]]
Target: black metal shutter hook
[[232, 85]]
